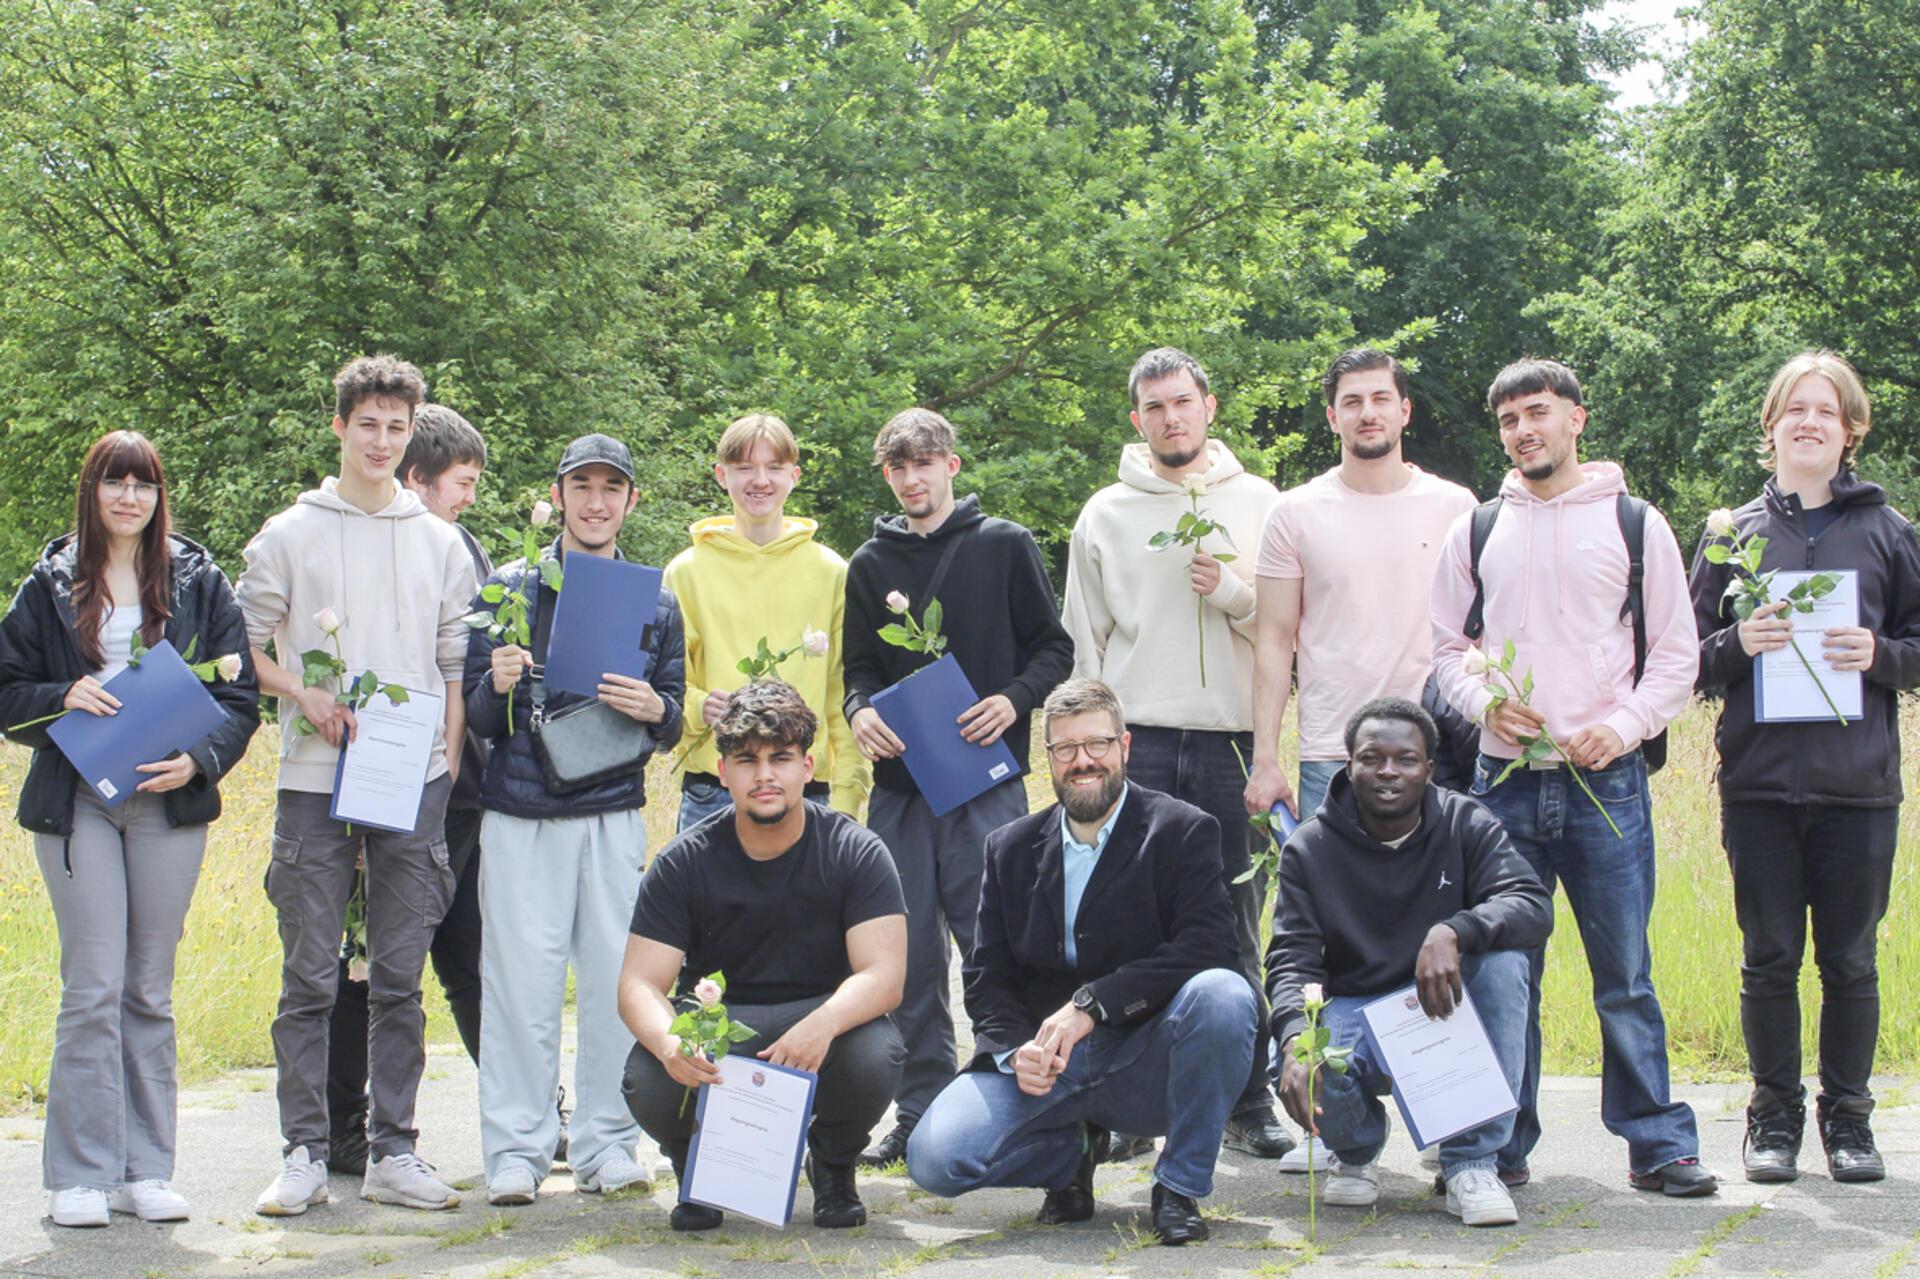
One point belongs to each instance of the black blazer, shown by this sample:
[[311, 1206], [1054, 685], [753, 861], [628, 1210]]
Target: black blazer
[[1155, 914]]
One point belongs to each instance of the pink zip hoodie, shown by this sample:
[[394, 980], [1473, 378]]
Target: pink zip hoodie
[[1556, 577]]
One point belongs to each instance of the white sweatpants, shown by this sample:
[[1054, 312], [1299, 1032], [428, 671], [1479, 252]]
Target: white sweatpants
[[552, 890]]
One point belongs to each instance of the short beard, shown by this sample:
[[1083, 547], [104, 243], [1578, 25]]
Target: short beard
[[1373, 452], [1084, 806], [1174, 461], [763, 819]]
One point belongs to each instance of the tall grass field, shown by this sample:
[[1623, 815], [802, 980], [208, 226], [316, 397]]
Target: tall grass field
[[228, 970]]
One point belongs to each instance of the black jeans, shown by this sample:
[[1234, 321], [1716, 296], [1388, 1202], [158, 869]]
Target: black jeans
[[455, 952], [1835, 863], [857, 1083], [1199, 766]]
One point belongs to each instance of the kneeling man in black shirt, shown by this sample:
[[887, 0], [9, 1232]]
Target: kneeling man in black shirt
[[1396, 881], [800, 908], [1102, 987]]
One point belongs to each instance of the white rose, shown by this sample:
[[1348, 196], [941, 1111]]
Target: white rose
[[707, 991], [357, 969], [815, 643], [1312, 994], [228, 667], [542, 513], [1476, 662], [327, 620], [896, 602], [1194, 486], [1720, 523]]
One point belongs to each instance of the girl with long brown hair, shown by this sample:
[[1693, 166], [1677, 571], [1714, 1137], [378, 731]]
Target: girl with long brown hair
[[120, 870]]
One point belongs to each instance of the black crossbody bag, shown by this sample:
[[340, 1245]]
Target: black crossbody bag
[[588, 742]]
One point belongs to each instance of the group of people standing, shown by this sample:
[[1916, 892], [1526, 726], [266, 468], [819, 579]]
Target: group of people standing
[[1117, 979]]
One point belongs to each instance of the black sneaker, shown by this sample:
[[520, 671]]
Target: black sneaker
[[1074, 1201], [836, 1199], [1682, 1179], [691, 1216], [1257, 1132], [1772, 1150], [1125, 1146], [1851, 1154], [891, 1149], [347, 1150]]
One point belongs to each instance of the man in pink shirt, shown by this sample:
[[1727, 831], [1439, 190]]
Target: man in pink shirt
[[1554, 578], [1344, 569]]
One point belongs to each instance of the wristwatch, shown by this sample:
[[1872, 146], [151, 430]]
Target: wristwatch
[[1083, 1000]]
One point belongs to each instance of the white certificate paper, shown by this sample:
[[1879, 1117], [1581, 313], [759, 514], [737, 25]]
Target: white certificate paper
[[1446, 1078], [384, 769], [1782, 688], [752, 1129]]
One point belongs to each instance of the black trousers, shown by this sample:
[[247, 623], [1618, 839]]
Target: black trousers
[[455, 953], [857, 1082], [1835, 864]]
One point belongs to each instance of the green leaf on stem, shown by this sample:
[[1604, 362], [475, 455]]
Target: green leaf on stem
[[1160, 541], [1507, 653], [395, 694], [1715, 553], [740, 1034], [931, 618], [680, 1026], [894, 633], [493, 592], [550, 574], [1226, 557]]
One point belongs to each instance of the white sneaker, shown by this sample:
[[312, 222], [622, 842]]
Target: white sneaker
[[407, 1180], [151, 1200], [514, 1185], [618, 1173], [301, 1184], [1476, 1196], [1352, 1185], [1430, 1157], [1295, 1160], [78, 1206]]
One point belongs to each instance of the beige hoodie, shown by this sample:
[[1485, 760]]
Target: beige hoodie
[[400, 582], [1131, 610]]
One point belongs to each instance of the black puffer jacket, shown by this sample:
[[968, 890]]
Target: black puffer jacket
[[513, 783], [40, 660], [1856, 764]]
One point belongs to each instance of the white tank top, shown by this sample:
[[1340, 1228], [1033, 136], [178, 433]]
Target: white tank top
[[117, 626]]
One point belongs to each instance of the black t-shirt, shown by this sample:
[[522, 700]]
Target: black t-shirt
[[1820, 518], [778, 928]]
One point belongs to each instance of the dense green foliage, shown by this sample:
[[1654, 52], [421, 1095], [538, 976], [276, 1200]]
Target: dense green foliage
[[649, 218]]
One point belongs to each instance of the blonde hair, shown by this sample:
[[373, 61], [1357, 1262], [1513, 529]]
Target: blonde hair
[[737, 441], [1855, 410]]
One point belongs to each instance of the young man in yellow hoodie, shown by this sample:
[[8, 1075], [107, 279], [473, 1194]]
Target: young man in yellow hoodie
[[758, 576]]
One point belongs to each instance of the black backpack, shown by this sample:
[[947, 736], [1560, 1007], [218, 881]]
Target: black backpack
[[1632, 513]]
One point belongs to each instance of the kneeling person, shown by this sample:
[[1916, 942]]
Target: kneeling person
[[1102, 989], [800, 908], [1397, 881]]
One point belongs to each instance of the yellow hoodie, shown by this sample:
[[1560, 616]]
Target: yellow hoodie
[[733, 594]]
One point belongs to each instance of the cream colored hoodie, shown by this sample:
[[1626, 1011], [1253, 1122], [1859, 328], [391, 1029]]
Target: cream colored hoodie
[[399, 581], [1131, 610]]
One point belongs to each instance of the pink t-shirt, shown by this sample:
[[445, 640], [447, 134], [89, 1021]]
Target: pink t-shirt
[[1366, 564]]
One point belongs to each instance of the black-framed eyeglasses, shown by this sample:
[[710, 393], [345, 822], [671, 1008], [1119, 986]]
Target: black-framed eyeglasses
[[1096, 747]]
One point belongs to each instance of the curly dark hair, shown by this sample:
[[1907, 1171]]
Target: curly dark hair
[[381, 376], [766, 711]]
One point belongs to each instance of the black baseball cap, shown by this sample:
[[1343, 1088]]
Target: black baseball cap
[[602, 450]]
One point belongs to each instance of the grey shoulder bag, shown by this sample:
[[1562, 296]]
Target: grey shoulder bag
[[586, 743]]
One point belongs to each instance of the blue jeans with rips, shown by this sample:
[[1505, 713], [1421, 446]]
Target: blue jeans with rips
[[1177, 1073], [1353, 1122], [1610, 883]]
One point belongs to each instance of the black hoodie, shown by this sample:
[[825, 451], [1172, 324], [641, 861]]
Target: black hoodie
[[1352, 912], [1856, 764], [40, 660], [1001, 620]]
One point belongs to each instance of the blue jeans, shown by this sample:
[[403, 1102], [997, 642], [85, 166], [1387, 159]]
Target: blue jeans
[[1610, 884], [699, 800], [1177, 1073], [1199, 767], [1315, 776], [1353, 1122]]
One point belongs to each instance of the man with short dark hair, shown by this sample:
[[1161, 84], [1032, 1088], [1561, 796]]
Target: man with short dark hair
[[359, 563], [441, 467], [1004, 631], [798, 906], [561, 864], [1102, 987], [1172, 630], [1395, 881], [1609, 670]]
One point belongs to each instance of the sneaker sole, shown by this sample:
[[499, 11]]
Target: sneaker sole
[[398, 1200], [510, 1198], [274, 1208], [1855, 1176], [1772, 1176], [1671, 1191], [587, 1187], [1484, 1216], [1248, 1148], [184, 1215], [81, 1223], [1351, 1200]]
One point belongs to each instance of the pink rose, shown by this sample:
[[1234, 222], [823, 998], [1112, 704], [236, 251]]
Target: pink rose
[[815, 642], [327, 620], [896, 602], [707, 991], [542, 513], [1313, 995]]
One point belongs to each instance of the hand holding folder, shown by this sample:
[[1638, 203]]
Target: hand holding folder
[[164, 708]]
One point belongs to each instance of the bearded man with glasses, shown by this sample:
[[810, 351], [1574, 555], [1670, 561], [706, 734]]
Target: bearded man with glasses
[[1102, 988]]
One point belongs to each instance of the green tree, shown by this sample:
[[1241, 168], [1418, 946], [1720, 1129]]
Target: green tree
[[204, 209]]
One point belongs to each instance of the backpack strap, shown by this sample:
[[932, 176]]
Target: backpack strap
[[1483, 517], [939, 577], [1632, 514]]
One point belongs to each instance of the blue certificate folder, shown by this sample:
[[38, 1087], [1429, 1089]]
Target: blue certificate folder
[[163, 708], [923, 710], [603, 622], [799, 1152]]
